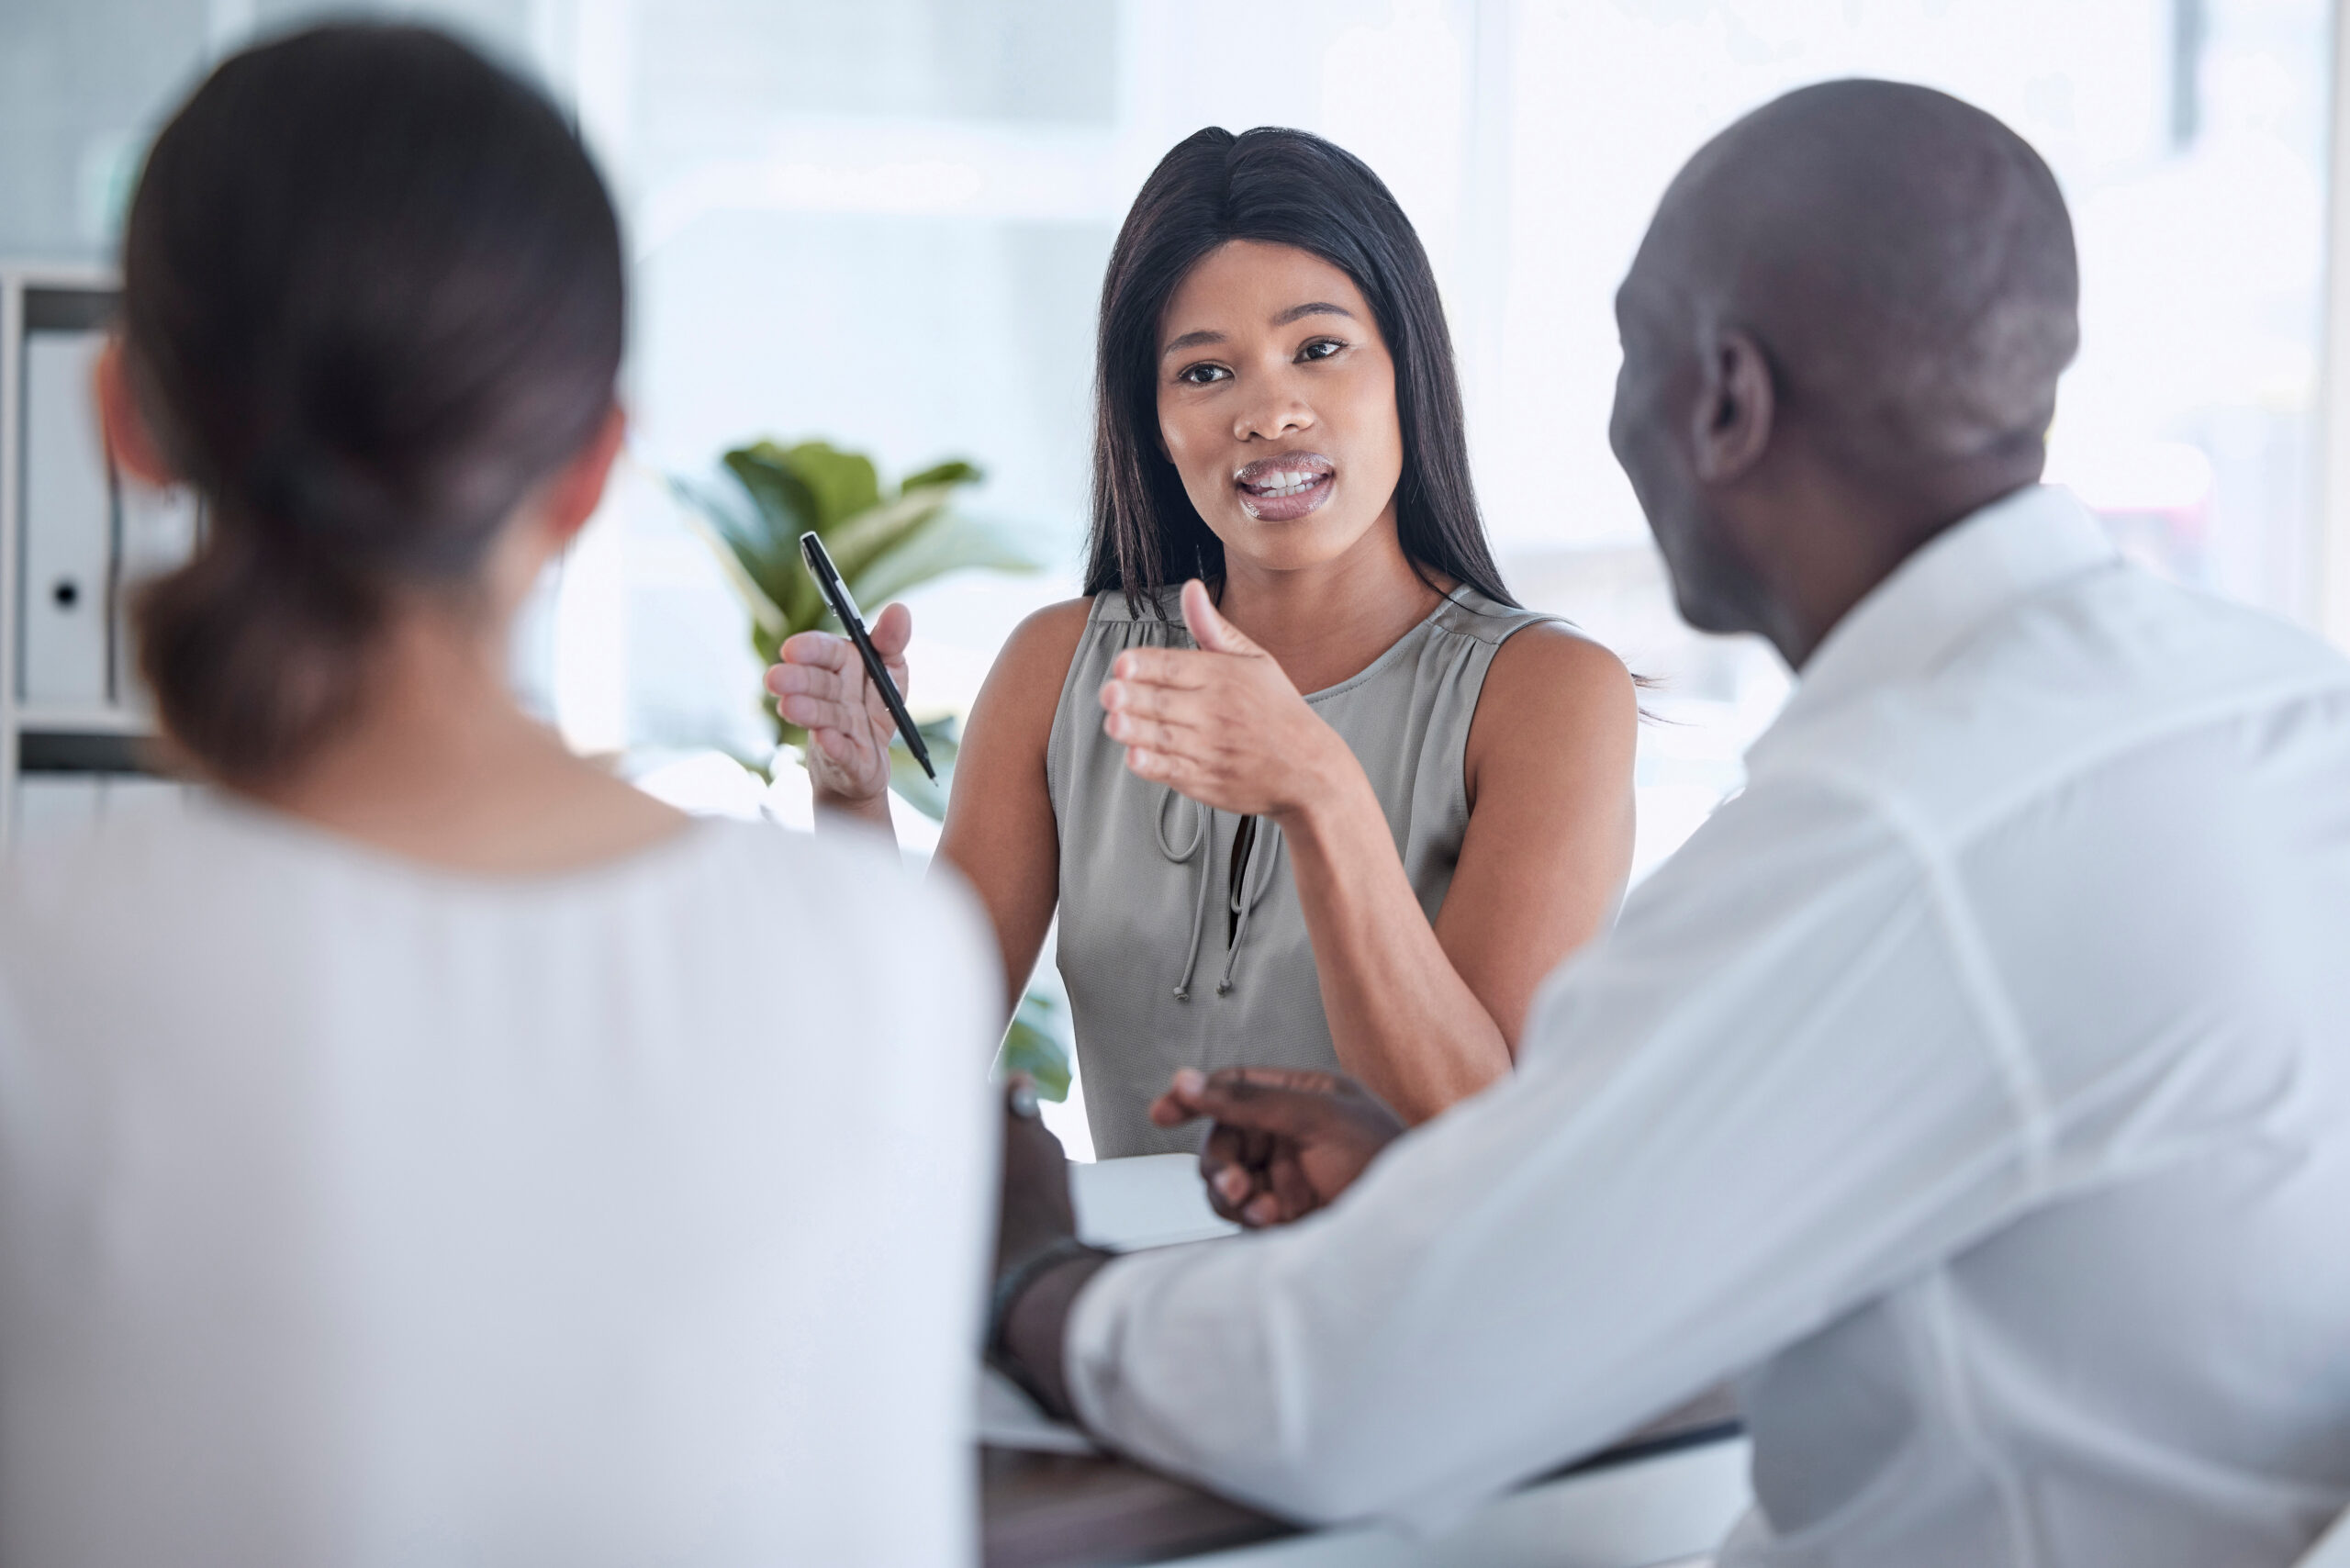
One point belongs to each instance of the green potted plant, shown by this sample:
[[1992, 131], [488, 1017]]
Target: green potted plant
[[884, 544]]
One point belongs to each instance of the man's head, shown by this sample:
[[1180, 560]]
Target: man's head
[[1841, 334]]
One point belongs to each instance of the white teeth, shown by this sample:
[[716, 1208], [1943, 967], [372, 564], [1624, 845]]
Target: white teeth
[[1285, 484]]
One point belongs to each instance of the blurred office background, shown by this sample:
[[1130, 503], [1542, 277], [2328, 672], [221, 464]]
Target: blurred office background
[[884, 222]]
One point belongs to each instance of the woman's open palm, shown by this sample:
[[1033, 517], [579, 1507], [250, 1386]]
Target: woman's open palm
[[1221, 724], [821, 685]]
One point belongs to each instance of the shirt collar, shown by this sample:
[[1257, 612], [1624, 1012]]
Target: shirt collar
[[1958, 580]]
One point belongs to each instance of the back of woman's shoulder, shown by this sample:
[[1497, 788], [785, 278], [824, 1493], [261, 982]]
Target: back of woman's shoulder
[[148, 843], [844, 902]]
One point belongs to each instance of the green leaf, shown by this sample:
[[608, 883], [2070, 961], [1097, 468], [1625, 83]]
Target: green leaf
[[882, 549], [951, 541], [769, 551], [786, 504], [842, 483], [856, 544], [738, 538], [1036, 1045], [953, 470]]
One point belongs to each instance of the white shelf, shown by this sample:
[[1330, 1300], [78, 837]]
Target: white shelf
[[112, 728], [82, 721]]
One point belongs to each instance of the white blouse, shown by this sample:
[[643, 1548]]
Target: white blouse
[[356, 1213]]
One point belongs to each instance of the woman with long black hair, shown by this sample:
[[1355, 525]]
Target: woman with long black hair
[[1306, 787]]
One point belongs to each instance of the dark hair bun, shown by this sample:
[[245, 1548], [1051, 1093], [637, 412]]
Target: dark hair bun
[[372, 297]]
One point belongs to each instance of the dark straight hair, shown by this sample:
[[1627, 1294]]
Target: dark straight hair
[[1283, 187], [372, 297]]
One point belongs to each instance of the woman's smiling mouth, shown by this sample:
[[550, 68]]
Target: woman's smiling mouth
[[1284, 488]]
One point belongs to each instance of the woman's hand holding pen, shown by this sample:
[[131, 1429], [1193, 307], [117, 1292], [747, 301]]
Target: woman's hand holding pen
[[821, 685], [1221, 724]]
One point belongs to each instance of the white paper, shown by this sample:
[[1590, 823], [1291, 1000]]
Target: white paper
[[1010, 1419], [1150, 1200]]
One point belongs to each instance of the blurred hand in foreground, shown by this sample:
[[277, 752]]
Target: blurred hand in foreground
[[1285, 1142], [821, 685]]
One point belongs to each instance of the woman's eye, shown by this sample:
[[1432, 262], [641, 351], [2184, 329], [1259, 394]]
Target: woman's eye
[[1202, 375], [1320, 348]]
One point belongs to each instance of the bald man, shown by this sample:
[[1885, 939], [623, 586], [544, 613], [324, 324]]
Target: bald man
[[1975, 1086]]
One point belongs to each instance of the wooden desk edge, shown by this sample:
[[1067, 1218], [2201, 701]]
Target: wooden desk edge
[[1044, 1510]]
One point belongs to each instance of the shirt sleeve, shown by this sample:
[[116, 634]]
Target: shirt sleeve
[[1767, 1095]]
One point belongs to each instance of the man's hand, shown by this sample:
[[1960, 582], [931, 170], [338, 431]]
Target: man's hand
[[1285, 1142]]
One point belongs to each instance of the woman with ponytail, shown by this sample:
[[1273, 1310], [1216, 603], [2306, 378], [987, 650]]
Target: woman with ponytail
[[424, 1147]]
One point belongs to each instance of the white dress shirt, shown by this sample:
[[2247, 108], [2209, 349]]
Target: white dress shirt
[[1977, 1082], [358, 1213]]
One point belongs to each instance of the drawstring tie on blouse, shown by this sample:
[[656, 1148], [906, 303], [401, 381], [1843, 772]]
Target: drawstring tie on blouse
[[1199, 917], [1256, 879]]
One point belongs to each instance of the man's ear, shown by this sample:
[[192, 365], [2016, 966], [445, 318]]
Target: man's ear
[[577, 490], [1737, 405], [128, 441]]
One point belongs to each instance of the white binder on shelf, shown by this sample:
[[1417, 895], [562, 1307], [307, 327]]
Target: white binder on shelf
[[67, 552], [75, 542]]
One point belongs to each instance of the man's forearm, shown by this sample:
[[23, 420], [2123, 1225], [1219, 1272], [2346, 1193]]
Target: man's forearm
[[1037, 1329]]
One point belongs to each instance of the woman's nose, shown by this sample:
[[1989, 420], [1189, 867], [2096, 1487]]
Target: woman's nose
[[1280, 410]]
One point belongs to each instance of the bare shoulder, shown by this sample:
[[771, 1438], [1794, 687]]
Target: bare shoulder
[[1046, 640], [1025, 686], [1039, 650], [1550, 671], [1555, 704]]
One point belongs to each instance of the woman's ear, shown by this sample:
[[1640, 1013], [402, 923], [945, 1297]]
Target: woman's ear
[[130, 443], [578, 488]]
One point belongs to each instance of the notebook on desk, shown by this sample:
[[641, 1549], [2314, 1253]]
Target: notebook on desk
[[1150, 1200]]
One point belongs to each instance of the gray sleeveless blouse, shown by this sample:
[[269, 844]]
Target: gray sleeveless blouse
[[1171, 960]]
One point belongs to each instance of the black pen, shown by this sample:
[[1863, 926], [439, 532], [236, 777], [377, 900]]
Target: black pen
[[835, 592]]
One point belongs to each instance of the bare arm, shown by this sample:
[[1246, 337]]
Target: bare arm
[[1000, 834], [1549, 847], [1424, 1017], [1429, 1016]]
